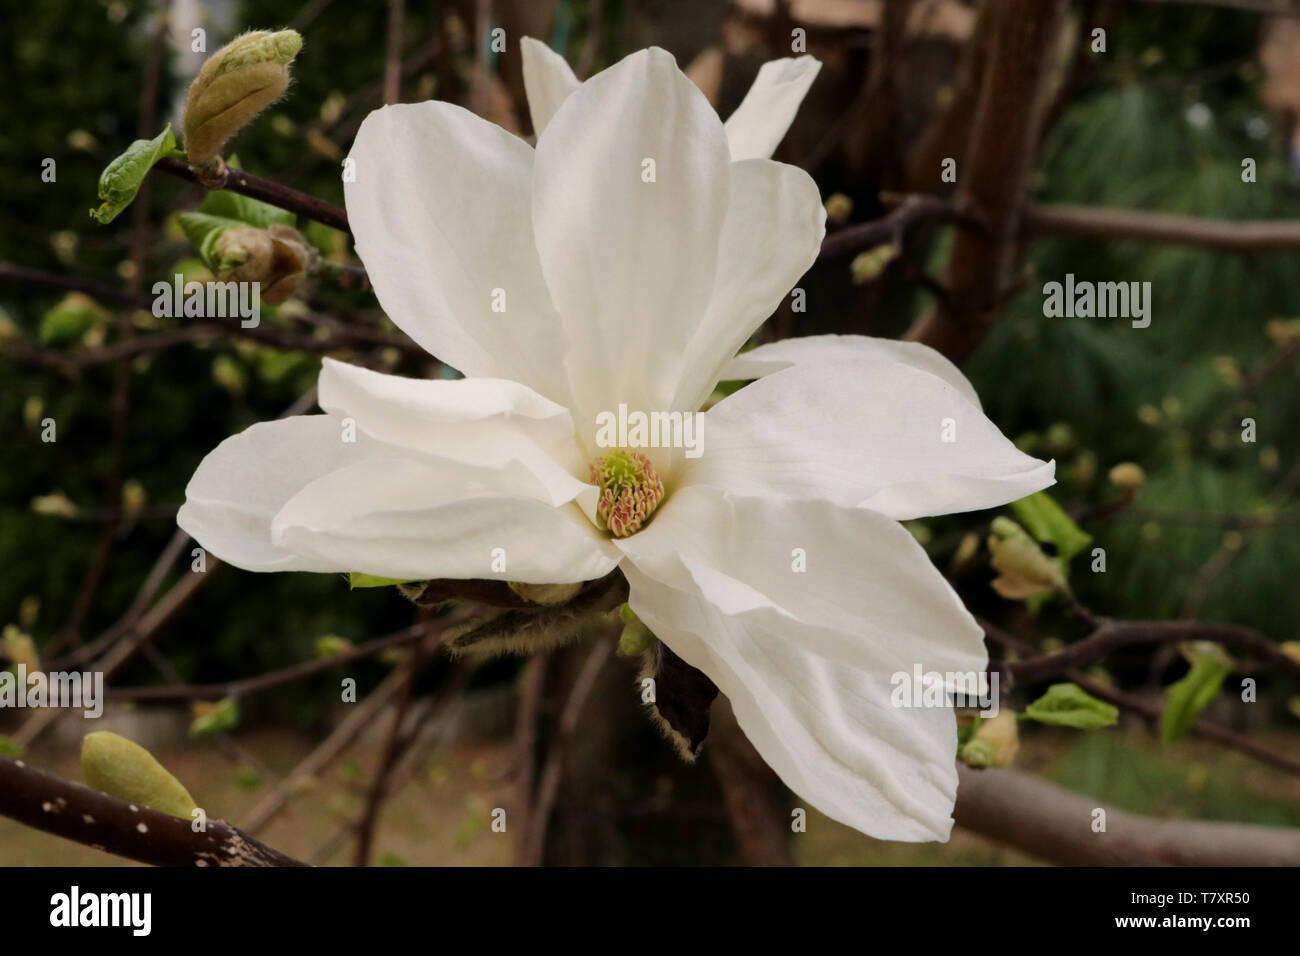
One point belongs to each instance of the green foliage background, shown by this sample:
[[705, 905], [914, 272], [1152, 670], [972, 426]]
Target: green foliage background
[[1125, 141]]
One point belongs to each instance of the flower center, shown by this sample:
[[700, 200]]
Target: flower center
[[630, 490]]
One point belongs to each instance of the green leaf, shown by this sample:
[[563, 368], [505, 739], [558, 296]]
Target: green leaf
[[10, 748], [204, 229], [1188, 697], [1046, 521], [121, 179], [249, 212], [359, 580], [1024, 571], [1069, 705]]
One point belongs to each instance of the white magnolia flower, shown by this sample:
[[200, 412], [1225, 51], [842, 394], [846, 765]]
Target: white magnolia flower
[[774, 562]]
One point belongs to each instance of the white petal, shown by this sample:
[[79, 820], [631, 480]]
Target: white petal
[[768, 109], [490, 423], [772, 234], [810, 659], [421, 519], [548, 80], [241, 484], [629, 263], [855, 573], [440, 210], [869, 433], [775, 356]]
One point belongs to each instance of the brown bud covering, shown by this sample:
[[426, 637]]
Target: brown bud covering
[[278, 257]]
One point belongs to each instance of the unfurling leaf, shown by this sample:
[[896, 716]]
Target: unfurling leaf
[[1024, 570], [1069, 705], [1188, 697], [1047, 521], [121, 179], [214, 718]]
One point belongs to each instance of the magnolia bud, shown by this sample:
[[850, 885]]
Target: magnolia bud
[[278, 257], [234, 85], [838, 208], [20, 648], [1002, 736], [867, 266], [123, 769], [1128, 476]]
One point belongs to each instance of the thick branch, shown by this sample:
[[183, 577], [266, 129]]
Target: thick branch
[[1051, 823], [54, 805], [1066, 219], [995, 174]]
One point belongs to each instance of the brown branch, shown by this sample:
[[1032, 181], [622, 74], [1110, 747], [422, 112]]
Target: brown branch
[[1150, 711], [253, 685], [911, 211], [1113, 635], [1280, 8], [394, 745], [54, 805], [530, 706], [757, 802], [995, 175], [1067, 219], [393, 56], [949, 132], [549, 785], [431, 723], [1227, 551], [20, 275], [1051, 823], [267, 190]]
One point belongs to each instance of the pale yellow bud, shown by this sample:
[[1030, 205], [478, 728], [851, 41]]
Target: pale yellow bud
[[20, 648], [123, 769], [838, 208], [1128, 476]]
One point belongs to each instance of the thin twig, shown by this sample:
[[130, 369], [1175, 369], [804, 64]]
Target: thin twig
[[267, 190], [393, 748], [549, 785], [262, 682]]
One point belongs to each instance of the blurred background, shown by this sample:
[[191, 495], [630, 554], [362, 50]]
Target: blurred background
[[1161, 122]]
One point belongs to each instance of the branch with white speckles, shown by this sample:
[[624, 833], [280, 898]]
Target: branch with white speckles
[[69, 810]]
